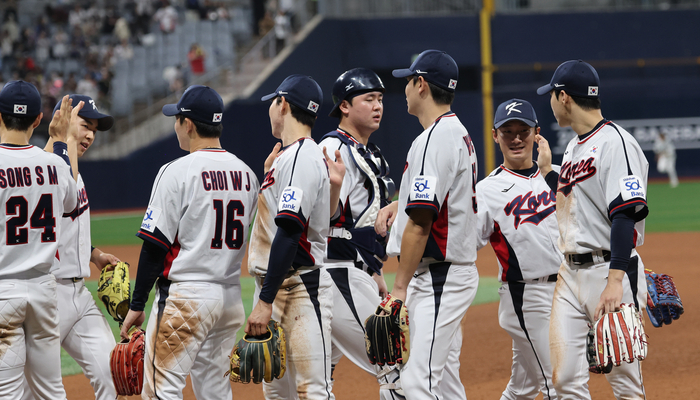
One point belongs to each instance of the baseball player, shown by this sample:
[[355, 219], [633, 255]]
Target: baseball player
[[601, 206], [435, 230], [665, 154], [85, 333], [517, 216], [354, 253], [194, 231], [288, 244], [36, 188]]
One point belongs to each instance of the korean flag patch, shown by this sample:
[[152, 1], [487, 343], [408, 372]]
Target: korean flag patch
[[453, 84], [632, 187], [313, 106], [20, 108], [593, 90], [290, 199], [217, 117], [150, 219], [423, 188]]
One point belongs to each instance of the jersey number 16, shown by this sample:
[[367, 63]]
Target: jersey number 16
[[234, 227]]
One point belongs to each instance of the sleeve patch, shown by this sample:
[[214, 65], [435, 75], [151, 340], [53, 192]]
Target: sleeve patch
[[423, 188], [290, 199], [150, 220], [631, 187]]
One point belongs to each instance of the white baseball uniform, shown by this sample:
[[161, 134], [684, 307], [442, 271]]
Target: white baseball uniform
[[85, 333], [602, 173], [36, 188], [353, 253], [297, 189], [440, 175], [516, 214], [200, 209], [666, 161]]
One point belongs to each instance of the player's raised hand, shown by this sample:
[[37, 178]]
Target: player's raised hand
[[544, 158], [74, 126], [133, 318], [271, 157], [336, 168], [58, 128], [385, 218]]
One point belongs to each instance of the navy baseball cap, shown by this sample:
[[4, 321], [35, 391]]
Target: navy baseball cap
[[575, 77], [200, 103], [20, 99], [300, 90], [437, 67], [515, 109], [89, 110]]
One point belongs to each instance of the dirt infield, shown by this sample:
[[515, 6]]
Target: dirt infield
[[670, 371]]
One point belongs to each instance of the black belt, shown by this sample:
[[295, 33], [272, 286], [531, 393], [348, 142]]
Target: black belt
[[72, 279], [549, 278], [580, 259]]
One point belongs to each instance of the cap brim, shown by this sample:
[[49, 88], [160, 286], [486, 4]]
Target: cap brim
[[529, 123], [545, 89], [269, 96], [170, 110], [402, 73], [105, 123]]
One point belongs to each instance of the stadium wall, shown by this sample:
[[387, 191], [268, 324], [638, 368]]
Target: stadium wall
[[648, 62]]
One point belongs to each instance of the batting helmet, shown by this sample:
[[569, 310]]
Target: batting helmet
[[352, 83]]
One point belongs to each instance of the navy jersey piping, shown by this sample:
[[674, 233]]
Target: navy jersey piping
[[427, 142]]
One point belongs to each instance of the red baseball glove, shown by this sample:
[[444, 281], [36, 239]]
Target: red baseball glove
[[126, 364]]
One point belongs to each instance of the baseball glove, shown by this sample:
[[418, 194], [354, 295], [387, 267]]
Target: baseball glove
[[616, 337], [663, 301], [263, 357], [126, 364], [387, 337], [114, 289]]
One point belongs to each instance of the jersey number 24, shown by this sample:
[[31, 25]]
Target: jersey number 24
[[42, 218]]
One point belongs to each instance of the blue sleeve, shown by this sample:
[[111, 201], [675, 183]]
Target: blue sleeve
[[552, 180], [151, 265], [61, 150], [282, 252], [621, 240]]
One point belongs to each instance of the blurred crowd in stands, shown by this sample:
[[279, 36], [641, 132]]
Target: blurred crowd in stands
[[73, 45]]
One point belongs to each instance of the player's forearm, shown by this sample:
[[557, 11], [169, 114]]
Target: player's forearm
[[151, 265], [335, 199], [621, 241], [413, 242], [73, 156], [282, 252]]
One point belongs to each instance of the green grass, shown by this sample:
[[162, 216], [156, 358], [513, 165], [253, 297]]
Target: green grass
[[115, 230], [673, 210]]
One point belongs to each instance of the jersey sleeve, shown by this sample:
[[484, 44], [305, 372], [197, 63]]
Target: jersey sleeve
[[300, 182], [484, 227], [161, 220], [432, 174], [625, 185]]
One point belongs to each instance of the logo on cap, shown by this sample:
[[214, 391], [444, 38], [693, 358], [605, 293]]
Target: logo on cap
[[420, 72], [184, 109], [349, 86], [94, 107], [593, 90], [312, 106], [453, 84], [558, 84], [20, 108], [217, 117], [511, 107]]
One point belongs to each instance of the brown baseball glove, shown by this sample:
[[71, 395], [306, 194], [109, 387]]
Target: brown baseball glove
[[126, 364]]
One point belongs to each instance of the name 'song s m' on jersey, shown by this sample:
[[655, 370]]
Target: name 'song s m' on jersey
[[440, 175], [517, 215], [296, 188], [200, 209], [602, 173], [36, 189]]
